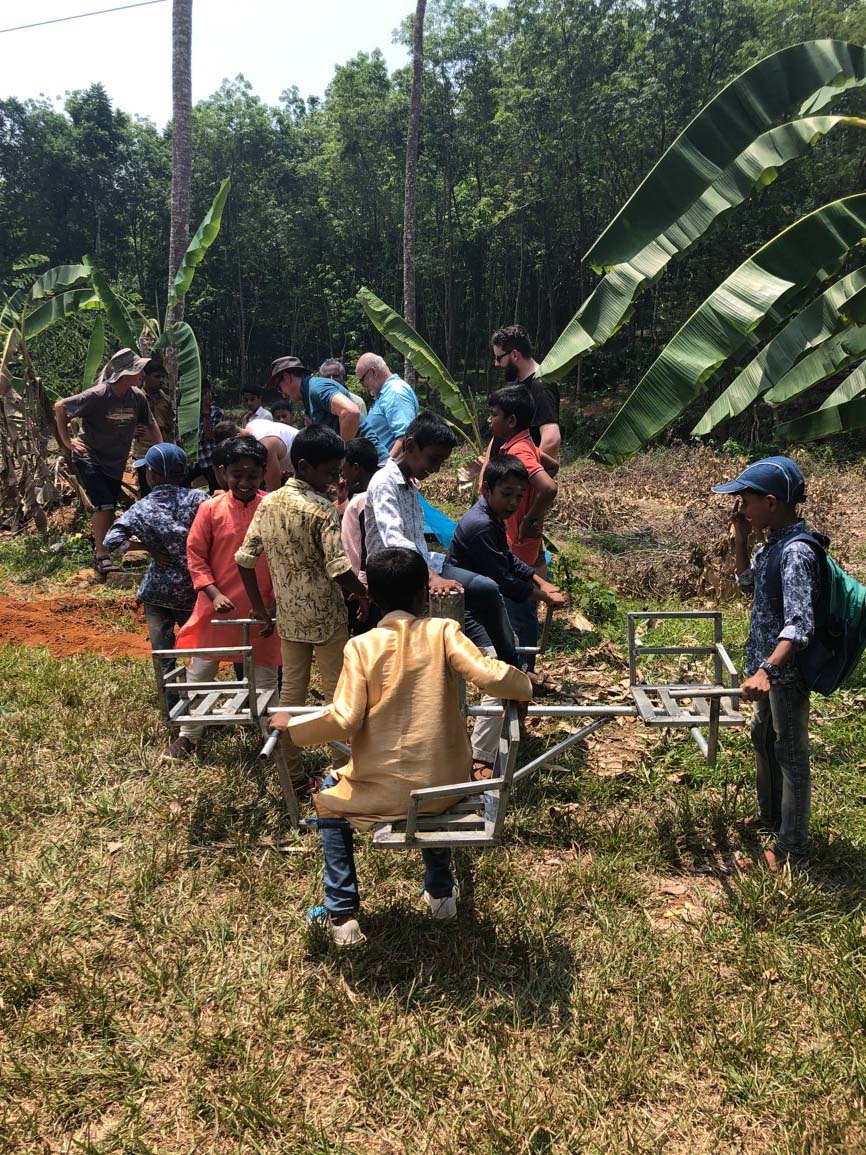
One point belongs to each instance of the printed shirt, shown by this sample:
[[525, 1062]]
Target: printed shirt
[[393, 514], [107, 425], [160, 407], [206, 445], [794, 620], [317, 393], [393, 410], [480, 545], [162, 519], [524, 448], [299, 532]]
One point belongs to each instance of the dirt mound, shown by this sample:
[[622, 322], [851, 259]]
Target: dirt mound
[[72, 625]]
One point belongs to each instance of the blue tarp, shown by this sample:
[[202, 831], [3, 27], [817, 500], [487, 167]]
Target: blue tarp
[[442, 527]]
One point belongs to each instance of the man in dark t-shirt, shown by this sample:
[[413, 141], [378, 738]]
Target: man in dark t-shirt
[[512, 352]]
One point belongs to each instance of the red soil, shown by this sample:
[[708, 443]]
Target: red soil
[[71, 625]]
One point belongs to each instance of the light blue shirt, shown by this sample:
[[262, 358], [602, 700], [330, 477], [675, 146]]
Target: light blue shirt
[[394, 409]]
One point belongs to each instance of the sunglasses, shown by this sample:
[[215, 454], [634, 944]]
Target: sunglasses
[[498, 357]]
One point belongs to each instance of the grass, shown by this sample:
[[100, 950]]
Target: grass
[[609, 987]]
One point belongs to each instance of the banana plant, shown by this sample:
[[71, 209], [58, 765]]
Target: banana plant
[[52, 296]]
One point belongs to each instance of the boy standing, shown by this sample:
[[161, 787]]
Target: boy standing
[[356, 473], [153, 385], [298, 529], [782, 622], [397, 702], [211, 415], [251, 395]]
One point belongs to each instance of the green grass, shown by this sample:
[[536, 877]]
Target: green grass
[[609, 987]]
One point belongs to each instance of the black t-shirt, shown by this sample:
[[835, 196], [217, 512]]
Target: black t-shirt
[[545, 395]]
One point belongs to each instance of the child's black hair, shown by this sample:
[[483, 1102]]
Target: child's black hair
[[362, 452], [237, 447], [316, 444], [395, 577], [279, 406], [223, 430], [502, 467], [430, 429], [514, 401], [256, 390]]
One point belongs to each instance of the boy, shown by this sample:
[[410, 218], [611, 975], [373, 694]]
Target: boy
[[161, 523], [393, 517], [397, 703], [282, 411], [355, 473], [480, 544], [510, 418], [299, 531], [153, 386], [782, 622], [217, 532], [210, 417], [251, 395]]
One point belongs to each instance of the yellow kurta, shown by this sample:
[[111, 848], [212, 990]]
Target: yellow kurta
[[396, 701]]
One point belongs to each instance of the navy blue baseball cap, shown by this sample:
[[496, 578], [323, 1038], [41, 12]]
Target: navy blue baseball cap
[[165, 459], [779, 476]]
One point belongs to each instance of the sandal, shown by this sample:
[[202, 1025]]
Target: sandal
[[103, 566], [757, 824], [542, 685], [766, 860], [481, 770]]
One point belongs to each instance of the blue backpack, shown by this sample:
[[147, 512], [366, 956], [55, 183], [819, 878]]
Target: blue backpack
[[840, 617]]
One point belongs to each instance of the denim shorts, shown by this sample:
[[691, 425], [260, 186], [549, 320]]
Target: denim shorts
[[102, 491]]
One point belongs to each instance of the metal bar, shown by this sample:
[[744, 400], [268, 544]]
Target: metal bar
[[717, 640], [713, 739], [674, 710], [557, 749], [688, 615], [160, 689], [172, 675], [632, 650], [269, 745], [614, 710], [233, 650], [237, 622], [726, 660], [647, 710], [462, 788], [705, 650], [700, 740], [201, 707], [545, 630], [188, 688]]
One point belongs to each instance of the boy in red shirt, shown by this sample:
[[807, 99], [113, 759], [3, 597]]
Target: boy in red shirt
[[510, 418]]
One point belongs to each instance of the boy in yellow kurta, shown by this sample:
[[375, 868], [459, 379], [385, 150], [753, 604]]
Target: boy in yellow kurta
[[397, 702]]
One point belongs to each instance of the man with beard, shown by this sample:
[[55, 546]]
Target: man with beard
[[512, 352]]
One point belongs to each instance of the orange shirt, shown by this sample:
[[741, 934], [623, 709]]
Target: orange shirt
[[524, 448]]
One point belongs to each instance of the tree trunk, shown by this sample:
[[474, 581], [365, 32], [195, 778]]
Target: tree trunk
[[181, 162], [409, 310]]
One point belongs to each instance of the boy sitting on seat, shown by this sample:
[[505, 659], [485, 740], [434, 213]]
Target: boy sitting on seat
[[397, 701]]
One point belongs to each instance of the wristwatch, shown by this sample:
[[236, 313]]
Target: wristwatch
[[772, 672]]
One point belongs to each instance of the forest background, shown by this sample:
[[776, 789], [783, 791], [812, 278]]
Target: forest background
[[538, 120]]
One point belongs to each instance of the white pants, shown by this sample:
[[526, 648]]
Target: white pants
[[486, 731], [204, 670]]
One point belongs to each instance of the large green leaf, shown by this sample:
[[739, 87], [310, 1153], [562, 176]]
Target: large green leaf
[[835, 354], [58, 280], [853, 385], [800, 79], [95, 351], [610, 304], [811, 327], [205, 236], [118, 318], [768, 285], [183, 339], [825, 422], [54, 309], [405, 340]]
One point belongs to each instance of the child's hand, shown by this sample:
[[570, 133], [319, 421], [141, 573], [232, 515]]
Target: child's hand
[[522, 709], [529, 528], [222, 604], [263, 616], [159, 556], [739, 523], [362, 606], [756, 687], [441, 585], [279, 722], [552, 596]]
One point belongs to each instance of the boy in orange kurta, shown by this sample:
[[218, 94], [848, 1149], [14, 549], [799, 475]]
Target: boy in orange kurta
[[397, 702]]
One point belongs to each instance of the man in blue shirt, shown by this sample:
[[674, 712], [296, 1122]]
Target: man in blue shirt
[[396, 405], [325, 401]]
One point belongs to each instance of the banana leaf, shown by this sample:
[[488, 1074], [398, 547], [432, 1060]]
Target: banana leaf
[[835, 354], [405, 340], [205, 235], [800, 79], [183, 339], [58, 280], [767, 286], [810, 328], [610, 304], [825, 422], [853, 385], [55, 309], [95, 351], [118, 318]]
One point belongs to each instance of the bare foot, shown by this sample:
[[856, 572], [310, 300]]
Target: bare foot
[[766, 860]]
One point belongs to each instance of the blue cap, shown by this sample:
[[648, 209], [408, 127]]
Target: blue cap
[[165, 459], [779, 476]]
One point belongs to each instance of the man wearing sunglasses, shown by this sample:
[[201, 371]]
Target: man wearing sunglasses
[[512, 353], [396, 405]]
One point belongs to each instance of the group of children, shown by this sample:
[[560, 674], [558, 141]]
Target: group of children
[[392, 687]]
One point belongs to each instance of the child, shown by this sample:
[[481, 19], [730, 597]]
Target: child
[[510, 419], [210, 417], [251, 395], [299, 531], [161, 523], [218, 530], [393, 517], [355, 473], [480, 544], [397, 703], [782, 622]]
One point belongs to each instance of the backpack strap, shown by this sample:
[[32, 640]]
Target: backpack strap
[[773, 572]]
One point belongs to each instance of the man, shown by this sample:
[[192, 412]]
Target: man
[[109, 412], [326, 401], [153, 385], [512, 352], [277, 437], [336, 370], [396, 405]]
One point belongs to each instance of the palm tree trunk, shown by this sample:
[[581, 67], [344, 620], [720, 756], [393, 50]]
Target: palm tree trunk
[[181, 163], [409, 199]]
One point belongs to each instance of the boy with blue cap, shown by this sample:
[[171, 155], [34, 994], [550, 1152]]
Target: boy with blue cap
[[783, 577], [160, 523]]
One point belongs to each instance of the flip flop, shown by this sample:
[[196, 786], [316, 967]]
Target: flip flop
[[103, 566], [481, 770], [766, 860]]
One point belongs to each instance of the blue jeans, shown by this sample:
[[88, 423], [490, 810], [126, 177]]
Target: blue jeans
[[160, 621], [780, 735], [341, 881], [486, 620], [524, 619]]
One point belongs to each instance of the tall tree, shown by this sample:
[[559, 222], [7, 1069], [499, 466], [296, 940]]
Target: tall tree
[[409, 196], [181, 139]]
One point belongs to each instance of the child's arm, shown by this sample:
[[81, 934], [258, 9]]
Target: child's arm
[[337, 565], [199, 545], [247, 558], [350, 535], [800, 576], [489, 674], [544, 488], [119, 537], [342, 719], [742, 563]]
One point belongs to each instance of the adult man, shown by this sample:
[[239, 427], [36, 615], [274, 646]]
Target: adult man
[[396, 405], [336, 370], [325, 401], [109, 412], [277, 438], [153, 386], [512, 352]]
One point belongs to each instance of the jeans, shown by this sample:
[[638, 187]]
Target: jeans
[[524, 619], [341, 880], [780, 735], [487, 622], [160, 621]]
